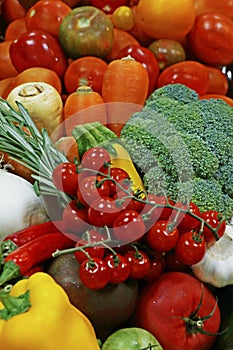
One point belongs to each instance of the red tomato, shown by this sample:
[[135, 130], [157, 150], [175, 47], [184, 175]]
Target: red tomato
[[126, 202], [161, 237], [75, 218], [211, 39], [128, 226], [118, 176], [7, 69], [102, 212], [147, 59], [91, 188], [190, 73], [214, 219], [218, 82], [94, 273], [12, 10], [173, 263], [157, 266], [172, 309], [139, 263], [95, 158], [96, 250], [184, 221], [108, 6], [47, 16], [65, 178], [38, 48], [119, 267], [85, 71], [190, 248], [15, 29], [225, 7]]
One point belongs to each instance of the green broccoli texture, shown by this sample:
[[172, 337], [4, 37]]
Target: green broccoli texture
[[182, 146]]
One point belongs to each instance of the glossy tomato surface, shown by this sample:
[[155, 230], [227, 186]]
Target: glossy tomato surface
[[38, 48], [108, 6]]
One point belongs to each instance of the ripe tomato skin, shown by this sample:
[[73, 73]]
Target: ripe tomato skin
[[190, 73], [157, 267], [12, 10], [108, 6], [164, 302], [147, 59], [47, 16], [162, 238], [95, 274], [128, 226], [85, 71], [211, 39], [224, 7], [218, 82], [190, 249], [119, 267], [38, 48], [65, 178], [75, 218], [89, 189], [102, 212], [185, 222], [96, 251], [213, 218], [95, 158], [7, 69], [139, 263]]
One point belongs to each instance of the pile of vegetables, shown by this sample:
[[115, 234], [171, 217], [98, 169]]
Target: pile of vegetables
[[116, 154]]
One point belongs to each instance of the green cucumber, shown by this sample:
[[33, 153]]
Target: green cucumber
[[84, 139]]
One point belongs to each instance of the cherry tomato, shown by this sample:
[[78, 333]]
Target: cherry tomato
[[120, 177], [85, 71], [167, 52], [147, 59], [139, 263], [190, 248], [218, 82], [211, 39], [75, 218], [65, 178], [123, 18], [47, 16], [95, 158], [183, 220], [128, 226], [95, 251], [94, 273], [190, 73], [126, 202], [173, 263], [162, 237], [108, 6], [214, 219], [91, 188], [102, 212], [119, 267], [38, 48], [157, 266]]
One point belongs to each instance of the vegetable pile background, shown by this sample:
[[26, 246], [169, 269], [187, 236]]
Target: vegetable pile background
[[116, 146]]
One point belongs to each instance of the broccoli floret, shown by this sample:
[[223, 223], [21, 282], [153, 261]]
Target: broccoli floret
[[178, 92], [224, 176]]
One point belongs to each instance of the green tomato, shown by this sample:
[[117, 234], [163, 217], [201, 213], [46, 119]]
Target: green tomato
[[132, 338]]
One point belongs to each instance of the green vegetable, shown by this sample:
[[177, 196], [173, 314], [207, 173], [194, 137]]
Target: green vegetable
[[183, 146]]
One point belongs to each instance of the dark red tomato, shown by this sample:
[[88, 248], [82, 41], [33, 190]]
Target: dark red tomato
[[128, 201], [147, 59], [184, 219], [190, 248], [38, 49], [85, 71], [91, 188], [95, 158], [119, 267], [128, 226], [47, 16], [178, 309], [190, 73], [211, 39], [75, 218], [108, 6], [102, 212], [119, 176], [96, 250], [12, 10], [162, 237], [173, 263], [65, 178], [94, 273], [139, 263], [214, 219], [157, 267]]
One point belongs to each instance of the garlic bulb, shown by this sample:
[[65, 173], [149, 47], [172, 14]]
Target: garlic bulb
[[20, 206], [216, 267]]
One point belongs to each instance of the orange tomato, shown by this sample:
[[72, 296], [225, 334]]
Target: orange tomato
[[225, 7], [6, 67], [15, 29], [3, 85], [218, 83], [225, 98], [11, 10], [121, 39], [35, 74], [137, 31], [83, 106], [125, 85], [171, 19]]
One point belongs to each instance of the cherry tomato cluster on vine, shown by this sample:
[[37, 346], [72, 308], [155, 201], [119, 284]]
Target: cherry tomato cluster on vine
[[102, 204]]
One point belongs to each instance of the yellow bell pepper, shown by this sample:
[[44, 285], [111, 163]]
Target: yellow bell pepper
[[37, 315]]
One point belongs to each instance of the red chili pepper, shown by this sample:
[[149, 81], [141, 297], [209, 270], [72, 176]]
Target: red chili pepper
[[29, 233], [32, 253], [34, 269]]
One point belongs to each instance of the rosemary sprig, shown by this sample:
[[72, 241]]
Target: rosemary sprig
[[21, 139]]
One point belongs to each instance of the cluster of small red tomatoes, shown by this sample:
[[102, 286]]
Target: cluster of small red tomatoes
[[121, 235]]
